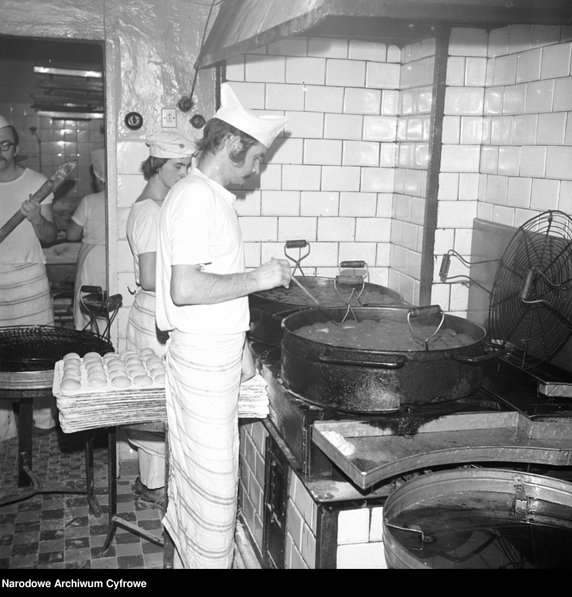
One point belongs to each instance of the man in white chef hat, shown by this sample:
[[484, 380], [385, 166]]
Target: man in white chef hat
[[202, 301]]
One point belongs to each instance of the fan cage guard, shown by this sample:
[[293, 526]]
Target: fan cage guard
[[38, 348], [531, 299]]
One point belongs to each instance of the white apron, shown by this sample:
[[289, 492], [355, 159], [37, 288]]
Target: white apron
[[25, 300], [203, 380], [143, 333], [91, 271]]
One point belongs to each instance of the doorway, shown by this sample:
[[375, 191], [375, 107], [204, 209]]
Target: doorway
[[52, 91]]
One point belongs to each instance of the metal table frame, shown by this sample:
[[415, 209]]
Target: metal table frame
[[35, 387]]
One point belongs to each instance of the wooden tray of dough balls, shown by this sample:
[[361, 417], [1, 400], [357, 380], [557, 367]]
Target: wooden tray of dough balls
[[112, 372]]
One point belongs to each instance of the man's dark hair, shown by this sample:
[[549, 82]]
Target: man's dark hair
[[215, 133]]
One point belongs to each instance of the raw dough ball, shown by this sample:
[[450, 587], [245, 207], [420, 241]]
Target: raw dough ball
[[142, 380], [70, 385], [96, 381], [159, 379], [120, 381], [71, 356], [145, 352]]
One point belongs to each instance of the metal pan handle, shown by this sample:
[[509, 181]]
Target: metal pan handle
[[492, 352], [352, 358], [352, 264]]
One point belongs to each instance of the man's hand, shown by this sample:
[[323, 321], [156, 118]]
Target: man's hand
[[273, 273], [31, 210]]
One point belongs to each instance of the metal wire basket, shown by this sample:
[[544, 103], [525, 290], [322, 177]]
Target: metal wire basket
[[38, 348]]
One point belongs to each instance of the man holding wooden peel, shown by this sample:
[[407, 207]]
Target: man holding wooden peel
[[24, 287]]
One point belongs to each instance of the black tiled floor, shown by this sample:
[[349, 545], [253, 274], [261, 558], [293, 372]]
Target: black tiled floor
[[59, 530]]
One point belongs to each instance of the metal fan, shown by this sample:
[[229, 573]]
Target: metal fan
[[531, 299]]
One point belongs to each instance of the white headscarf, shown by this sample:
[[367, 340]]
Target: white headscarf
[[98, 163], [169, 145], [263, 127]]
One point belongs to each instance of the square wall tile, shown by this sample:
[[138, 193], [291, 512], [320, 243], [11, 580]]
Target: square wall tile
[[563, 94], [464, 100], [320, 203], [524, 129], [353, 526], [456, 71], [551, 128], [519, 37], [528, 65], [514, 99], [367, 50], [389, 102], [323, 152], [265, 69], [360, 153], [460, 158], [346, 73], [505, 70], [358, 205], [519, 192], [301, 178], [343, 126], [324, 99], [284, 97], [328, 47], [309, 125], [555, 61], [468, 42], [382, 75], [280, 203], [508, 161], [311, 71], [475, 73], [377, 180], [498, 42], [532, 161], [362, 101], [558, 163], [295, 228], [539, 96], [251, 95], [336, 229], [544, 194], [342, 178], [291, 46]]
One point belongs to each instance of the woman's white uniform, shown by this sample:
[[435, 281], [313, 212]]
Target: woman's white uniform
[[24, 288], [198, 225], [92, 258], [142, 332]]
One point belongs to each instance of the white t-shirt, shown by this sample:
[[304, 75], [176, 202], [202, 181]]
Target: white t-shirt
[[198, 225], [90, 215], [142, 230], [22, 245]]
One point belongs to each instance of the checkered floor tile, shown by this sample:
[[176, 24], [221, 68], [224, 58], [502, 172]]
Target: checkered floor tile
[[59, 530]]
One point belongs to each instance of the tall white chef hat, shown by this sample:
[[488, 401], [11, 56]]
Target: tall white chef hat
[[98, 163], [263, 127], [3, 122], [169, 145]]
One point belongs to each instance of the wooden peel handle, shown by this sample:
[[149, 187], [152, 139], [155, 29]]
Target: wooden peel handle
[[48, 187]]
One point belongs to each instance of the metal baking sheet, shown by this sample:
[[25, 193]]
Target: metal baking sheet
[[379, 454]]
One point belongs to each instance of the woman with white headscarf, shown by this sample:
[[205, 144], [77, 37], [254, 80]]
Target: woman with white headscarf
[[169, 158], [88, 223]]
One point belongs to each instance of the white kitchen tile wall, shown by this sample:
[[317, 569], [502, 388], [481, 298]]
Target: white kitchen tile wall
[[361, 113]]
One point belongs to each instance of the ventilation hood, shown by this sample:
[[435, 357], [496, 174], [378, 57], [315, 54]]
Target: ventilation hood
[[242, 25]]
